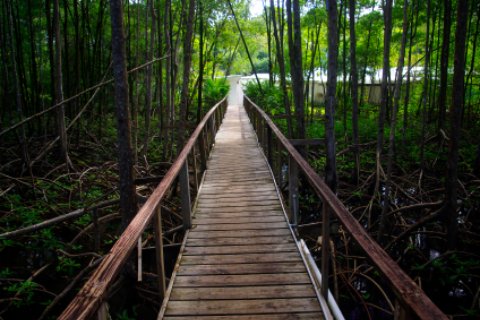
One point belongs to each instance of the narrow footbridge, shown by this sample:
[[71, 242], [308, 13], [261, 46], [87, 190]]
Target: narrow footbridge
[[240, 257]]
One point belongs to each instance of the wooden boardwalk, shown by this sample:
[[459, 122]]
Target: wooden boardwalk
[[239, 260]]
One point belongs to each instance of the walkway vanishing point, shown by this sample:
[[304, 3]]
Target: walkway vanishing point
[[240, 260]]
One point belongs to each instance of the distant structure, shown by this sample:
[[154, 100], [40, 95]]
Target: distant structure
[[373, 81]]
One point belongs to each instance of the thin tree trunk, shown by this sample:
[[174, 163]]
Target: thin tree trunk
[[187, 62], [62, 132], [442, 99], [296, 70], [396, 101], [387, 16], [330, 102], [451, 181], [149, 74], [281, 66], [18, 93], [413, 31], [128, 199], [354, 91], [200, 61], [425, 93]]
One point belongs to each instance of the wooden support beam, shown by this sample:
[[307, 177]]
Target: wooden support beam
[[293, 190], [157, 225], [325, 248], [185, 196]]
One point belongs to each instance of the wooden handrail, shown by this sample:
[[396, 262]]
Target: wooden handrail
[[411, 297], [93, 293]]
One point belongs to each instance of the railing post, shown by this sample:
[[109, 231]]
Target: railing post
[[325, 248], [400, 312], [293, 189], [269, 147], [195, 167], [185, 196], [103, 312], [202, 150], [159, 253]]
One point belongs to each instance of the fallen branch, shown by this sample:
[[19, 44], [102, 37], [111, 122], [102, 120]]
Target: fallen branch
[[72, 215]]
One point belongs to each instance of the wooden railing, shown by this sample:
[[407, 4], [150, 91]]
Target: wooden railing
[[411, 301], [92, 297]]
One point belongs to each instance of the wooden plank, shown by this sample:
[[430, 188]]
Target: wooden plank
[[241, 214], [284, 316], [238, 226], [271, 195], [232, 190], [196, 234], [265, 248], [245, 193], [237, 203], [238, 241], [257, 292], [228, 219], [244, 258], [225, 307], [241, 280], [257, 208], [247, 268]]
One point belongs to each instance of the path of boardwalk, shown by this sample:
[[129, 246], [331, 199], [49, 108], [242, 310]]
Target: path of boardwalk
[[240, 260]]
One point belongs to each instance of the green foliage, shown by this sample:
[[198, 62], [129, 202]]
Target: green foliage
[[270, 97], [67, 265], [24, 291], [214, 91]]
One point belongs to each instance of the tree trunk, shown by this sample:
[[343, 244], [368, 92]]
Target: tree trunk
[[58, 80], [354, 91], [451, 181], [187, 62], [396, 101], [296, 70], [149, 74], [330, 100], [281, 67], [425, 91], [387, 16], [200, 61], [128, 199]]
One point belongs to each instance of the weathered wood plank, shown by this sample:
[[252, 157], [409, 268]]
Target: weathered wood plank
[[244, 214], [251, 292], [284, 316], [237, 203], [241, 280], [247, 268], [244, 258], [256, 208], [264, 248], [196, 234], [238, 241], [228, 220], [238, 226], [222, 307]]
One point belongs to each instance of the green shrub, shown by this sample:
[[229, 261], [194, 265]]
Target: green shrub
[[214, 91]]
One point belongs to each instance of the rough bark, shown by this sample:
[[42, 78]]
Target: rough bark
[[187, 63], [128, 203], [58, 80], [281, 67], [451, 181], [330, 100], [354, 90], [296, 69], [387, 16], [393, 121]]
